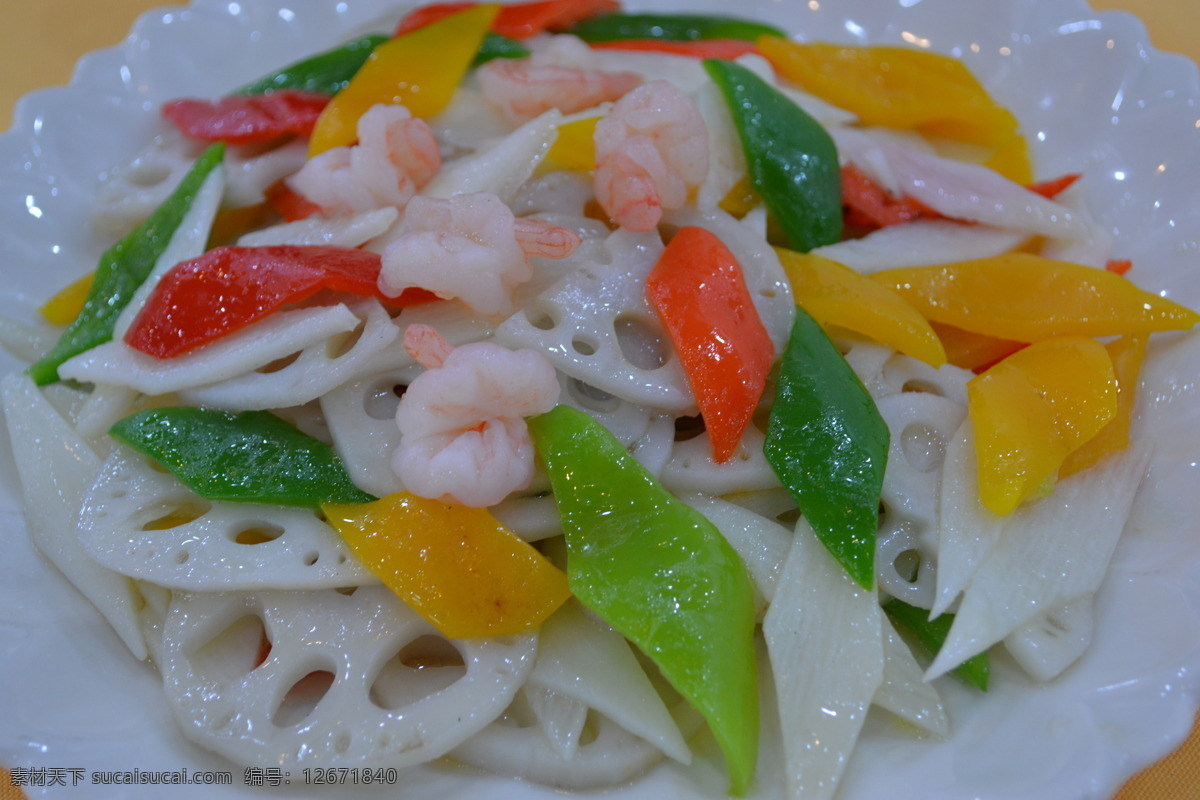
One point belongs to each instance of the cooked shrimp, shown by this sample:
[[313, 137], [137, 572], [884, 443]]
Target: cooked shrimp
[[545, 239], [395, 155], [471, 247], [462, 427], [427, 347], [650, 149], [525, 88]]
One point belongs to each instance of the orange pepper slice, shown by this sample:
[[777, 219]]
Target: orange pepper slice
[[575, 147], [1025, 298], [973, 351], [741, 198], [1011, 159], [420, 70], [895, 87], [1127, 354], [67, 302], [458, 567], [834, 294], [1032, 410], [906, 88]]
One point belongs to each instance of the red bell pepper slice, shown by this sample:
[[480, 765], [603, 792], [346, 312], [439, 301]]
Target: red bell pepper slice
[[228, 288], [698, 291], [238, 119], [425, 15], [517, 21], [868, 205], [1118, 265], [1055, 186], [704, 48]]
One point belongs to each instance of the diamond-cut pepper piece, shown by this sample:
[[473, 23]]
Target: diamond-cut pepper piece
[[836, 295], [1025, 298], [67, 302], [420, 70], [828, 444], [906, 88], [228, 288], [790, 158], [895, 87], [251, 457], [518, 20], [575, 146], [239, 119], [1127, 354], [660, 574], [458, 567], [973, 351], [698, 291], [1032, 410], [124, 268]]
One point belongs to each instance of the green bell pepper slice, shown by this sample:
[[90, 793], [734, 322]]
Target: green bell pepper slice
[[792, 161], [670, 27], [931, 634], [659, 573], [251, 457], [828, 444], [324, 73], [497, 46], [330, 71], [123, 269]]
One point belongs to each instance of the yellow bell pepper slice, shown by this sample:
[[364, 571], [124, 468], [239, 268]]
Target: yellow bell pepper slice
[[834, 294], [909, 89], [419, 70], [741, 198], [973, 351], [458, 567], [895, 87], [65, 305], [1032, 410], [1027, 298], [575, 147], [1127, 354], [1011, 159]]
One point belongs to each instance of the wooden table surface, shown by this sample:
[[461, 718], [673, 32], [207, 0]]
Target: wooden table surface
[[40, 42]]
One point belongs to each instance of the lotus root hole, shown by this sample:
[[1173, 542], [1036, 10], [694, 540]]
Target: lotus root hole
[[176, 515], [923, 447], [640, 342], [257, 533], [424, 666], [234, 652], [302, 699]]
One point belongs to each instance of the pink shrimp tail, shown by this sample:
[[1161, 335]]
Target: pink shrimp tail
[[413, 150], [627, 185], [396, 154], [426, 345], [547, 240], [650, 148]]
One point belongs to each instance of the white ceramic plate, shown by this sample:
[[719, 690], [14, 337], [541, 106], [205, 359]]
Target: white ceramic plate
[[1093, 97]]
